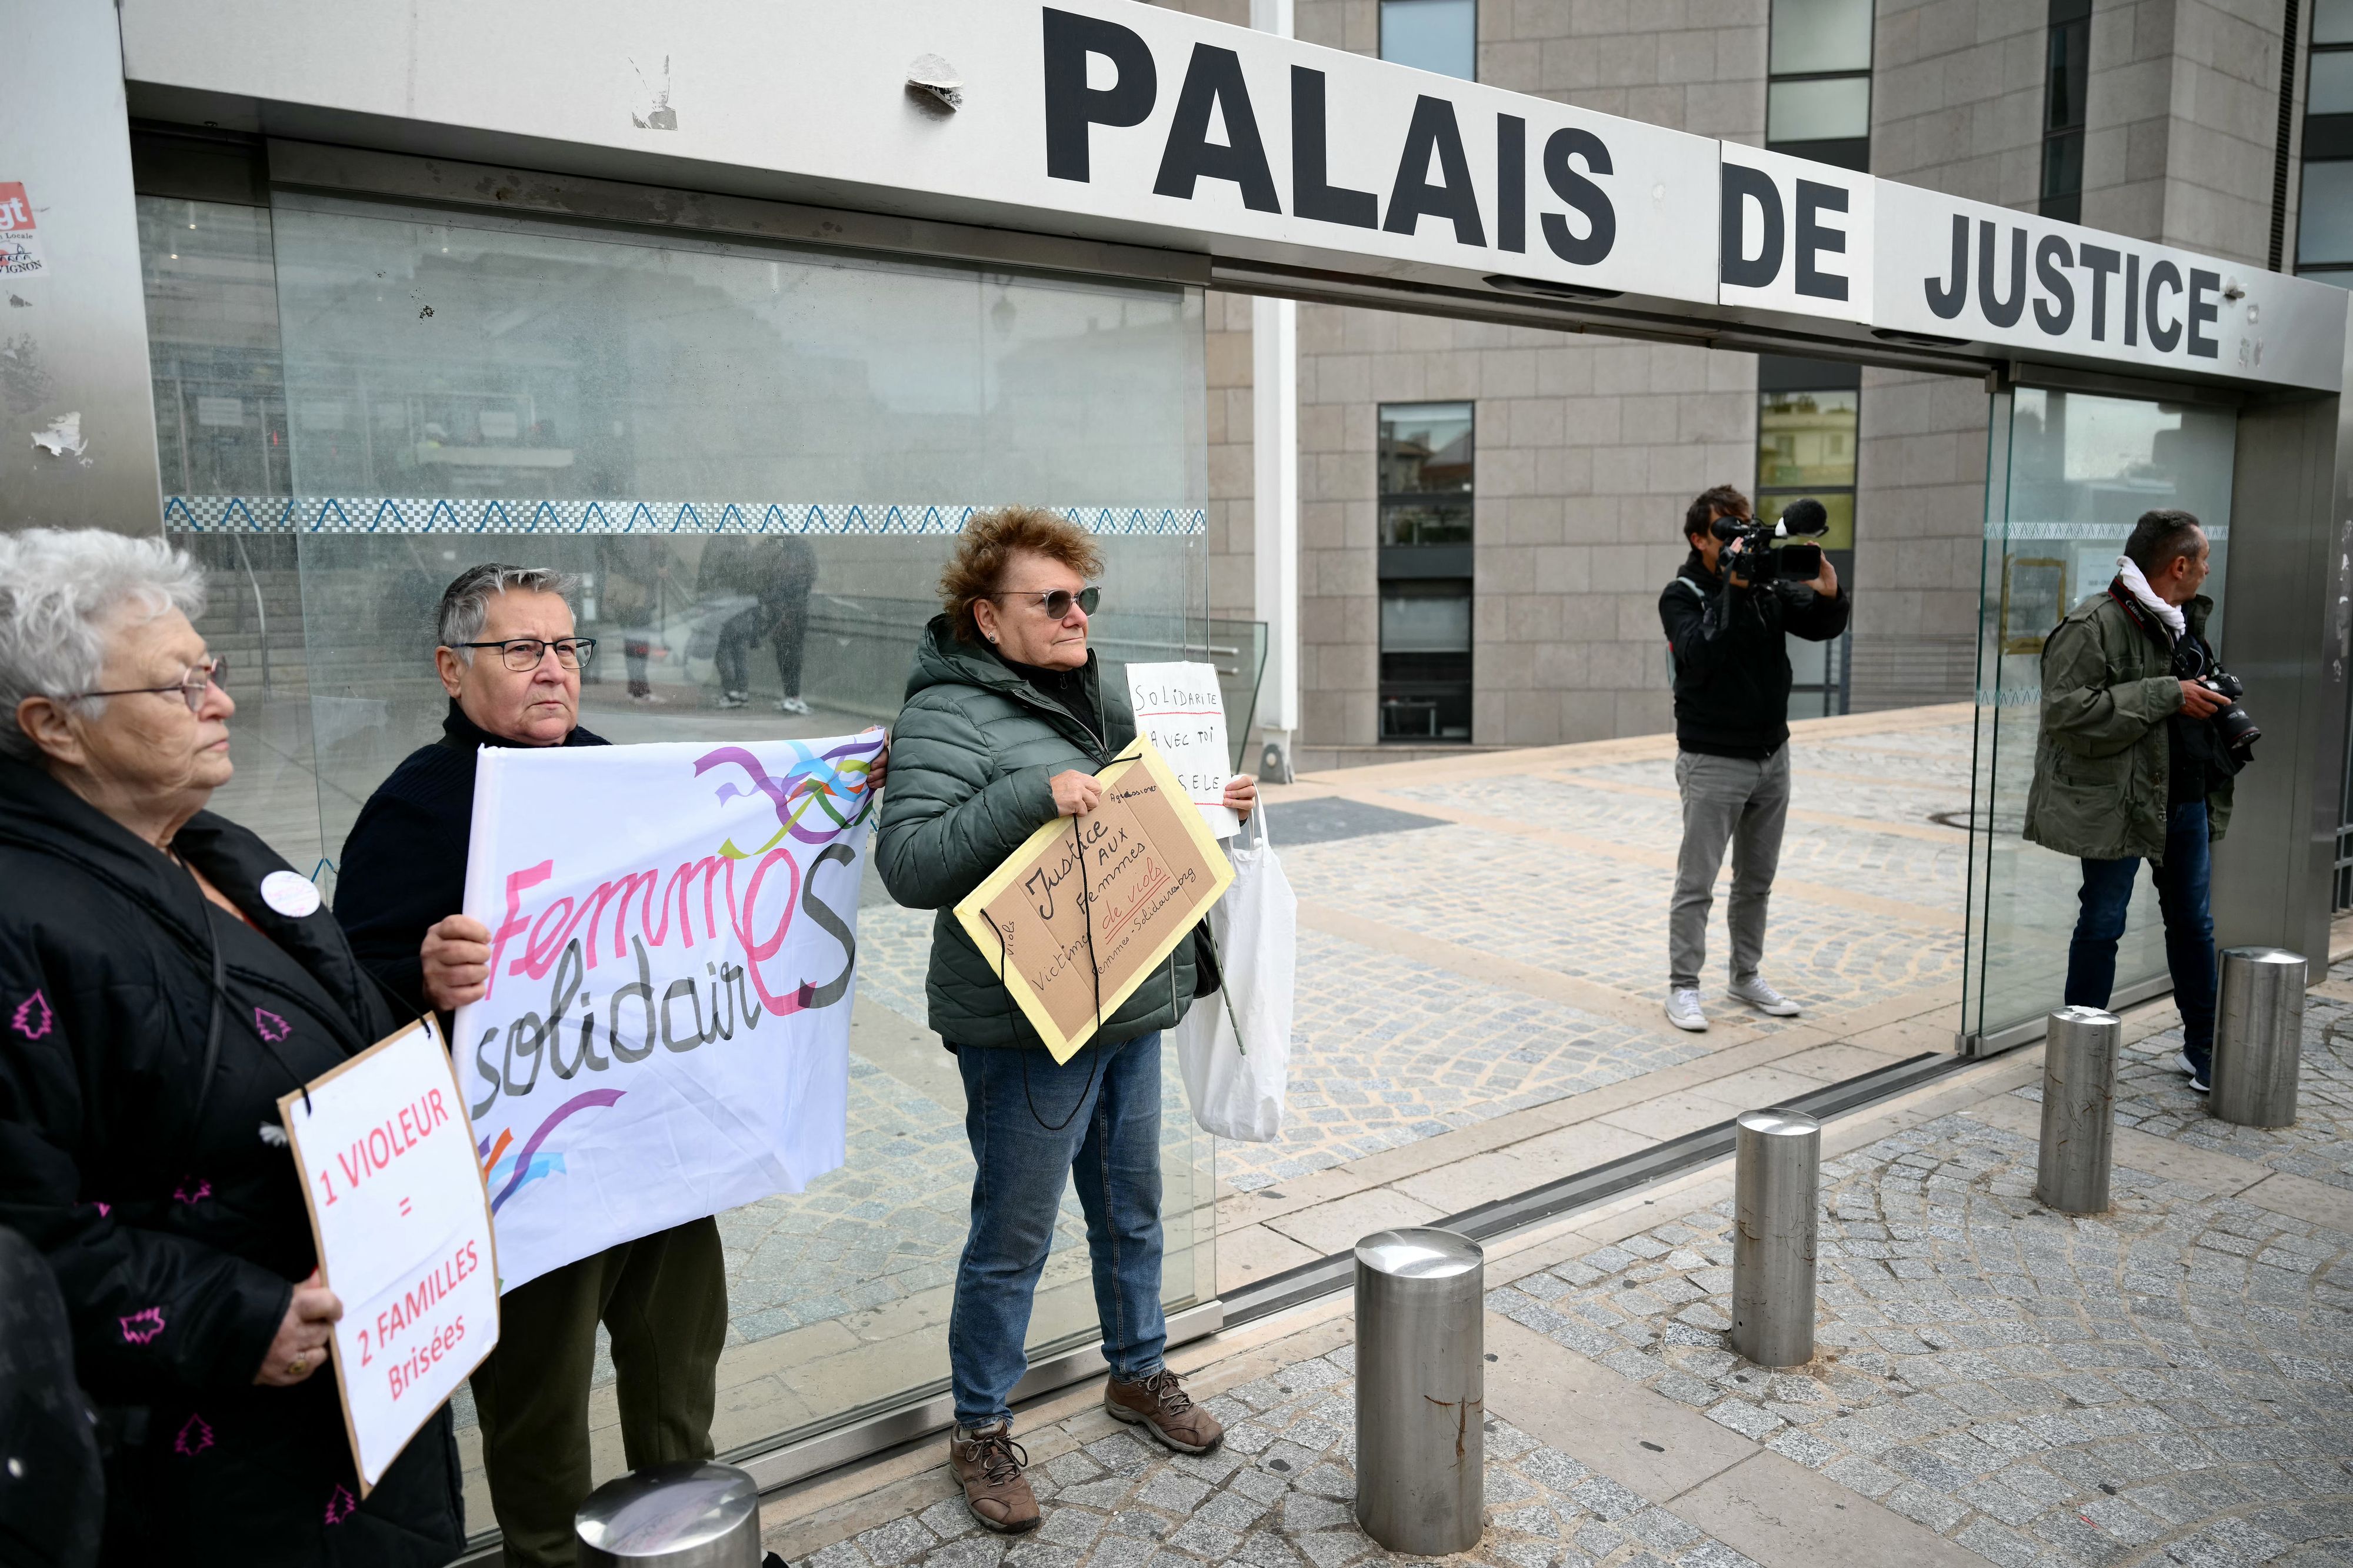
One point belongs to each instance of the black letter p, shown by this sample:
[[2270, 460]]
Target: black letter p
[[1072, 106]]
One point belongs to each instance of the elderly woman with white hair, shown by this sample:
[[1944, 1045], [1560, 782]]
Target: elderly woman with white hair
[[165, 978]]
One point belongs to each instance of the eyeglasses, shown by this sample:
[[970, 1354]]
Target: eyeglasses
[[189, 689], [1058, 603], [524, 653]]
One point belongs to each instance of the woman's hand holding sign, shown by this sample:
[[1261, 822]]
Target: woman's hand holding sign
[[1242, 796], [1075, 793], [457, 958], [300, 1345]]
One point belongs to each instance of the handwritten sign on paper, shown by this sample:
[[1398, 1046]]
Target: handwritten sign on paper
[[1181, 708], [1084, 914], [403, 1225]]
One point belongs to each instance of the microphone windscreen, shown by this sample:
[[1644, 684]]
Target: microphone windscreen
[[1805, 515]]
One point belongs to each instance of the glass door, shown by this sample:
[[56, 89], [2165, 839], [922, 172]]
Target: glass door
[[2067, 474]]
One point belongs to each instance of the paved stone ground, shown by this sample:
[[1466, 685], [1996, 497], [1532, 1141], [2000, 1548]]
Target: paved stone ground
[[1386, 1050], [2153, 1097], [2170, 1383], [1280, 1495]]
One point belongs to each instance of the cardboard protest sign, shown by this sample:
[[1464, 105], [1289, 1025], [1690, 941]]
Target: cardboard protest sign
[[1182, 710], [403, 1232], [1085, 911], [673, 947]]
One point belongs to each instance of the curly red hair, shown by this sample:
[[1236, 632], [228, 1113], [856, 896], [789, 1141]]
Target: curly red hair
[[988, 544]]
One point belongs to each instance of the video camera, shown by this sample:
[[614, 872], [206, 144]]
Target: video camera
[[1763, 558]]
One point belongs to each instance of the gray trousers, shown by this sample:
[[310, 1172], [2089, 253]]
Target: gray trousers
[[1736, 801]]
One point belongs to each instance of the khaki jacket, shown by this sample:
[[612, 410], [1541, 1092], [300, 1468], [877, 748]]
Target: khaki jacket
[[2102, 767]]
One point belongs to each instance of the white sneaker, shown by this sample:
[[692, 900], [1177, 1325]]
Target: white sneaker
[[734, 700], [791, 705], [1763, 997], [1684, 1009]]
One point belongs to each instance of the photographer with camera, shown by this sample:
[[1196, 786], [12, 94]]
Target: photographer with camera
[[1727, 614], [2140, 738]]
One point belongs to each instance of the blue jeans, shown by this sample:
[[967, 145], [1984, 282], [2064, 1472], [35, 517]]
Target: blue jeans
[[2182, 882], [1110, 1144]]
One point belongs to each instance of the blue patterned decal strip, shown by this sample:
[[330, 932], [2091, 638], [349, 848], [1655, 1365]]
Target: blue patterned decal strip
[[411, 514]]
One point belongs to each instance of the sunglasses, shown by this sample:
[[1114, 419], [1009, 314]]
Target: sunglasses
[[1057, 604]]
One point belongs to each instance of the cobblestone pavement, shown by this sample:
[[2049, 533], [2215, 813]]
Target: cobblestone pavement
[[1386, 1050], [2153, 1097], [1280, 1494], [2169, 1382]]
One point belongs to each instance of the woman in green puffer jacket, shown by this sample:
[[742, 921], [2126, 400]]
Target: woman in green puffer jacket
[[1008, 717]]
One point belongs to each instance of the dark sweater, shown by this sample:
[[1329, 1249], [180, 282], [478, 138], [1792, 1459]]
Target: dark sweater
[[404, 866], [1731, 659]]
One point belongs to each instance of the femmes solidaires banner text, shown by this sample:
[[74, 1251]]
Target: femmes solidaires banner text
[[673, 950]]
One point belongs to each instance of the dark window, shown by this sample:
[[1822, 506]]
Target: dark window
[[1817, 97], [1808, 415], [1439, 36], [2324, 221], [1425, 459], [2067, 81]]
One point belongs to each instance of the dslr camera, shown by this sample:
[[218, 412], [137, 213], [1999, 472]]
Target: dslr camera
[[1765, 557], [2232, 726]]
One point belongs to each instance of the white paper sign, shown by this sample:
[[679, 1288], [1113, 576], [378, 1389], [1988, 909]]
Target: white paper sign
[[404, 1233], [673, 948], [1181, 708]]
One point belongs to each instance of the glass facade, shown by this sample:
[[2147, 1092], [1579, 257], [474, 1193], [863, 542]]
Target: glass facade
[[2067, 474], [1818, 90], [356, 400], [1439, 36], [1427, 457], [2324, 227]]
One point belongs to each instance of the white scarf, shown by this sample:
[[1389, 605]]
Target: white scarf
[[2128, 572]]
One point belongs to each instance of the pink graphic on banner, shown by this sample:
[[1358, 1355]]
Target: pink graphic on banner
[[33, 1017], [142, 1325], [532, 1161]]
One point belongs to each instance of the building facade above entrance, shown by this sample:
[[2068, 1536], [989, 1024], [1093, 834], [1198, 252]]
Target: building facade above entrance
[[1121, 121]]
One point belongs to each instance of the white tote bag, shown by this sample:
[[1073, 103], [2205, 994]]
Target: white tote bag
[[1235, 1048]]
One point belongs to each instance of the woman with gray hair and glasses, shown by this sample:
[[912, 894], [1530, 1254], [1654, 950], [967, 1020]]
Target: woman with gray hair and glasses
[[165, 978]]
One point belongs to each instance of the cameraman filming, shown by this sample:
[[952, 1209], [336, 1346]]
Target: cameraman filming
[[2140, 738], [1727, 613]]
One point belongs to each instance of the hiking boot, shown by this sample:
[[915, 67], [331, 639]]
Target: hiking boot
[[1763, 997], [1684, 1009], [987, 1464], [1159, 1403]]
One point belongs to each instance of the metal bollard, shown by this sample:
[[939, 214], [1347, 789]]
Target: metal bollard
[[2078, 1109], [2258, 1037], [1421, 1389], [1777, 1217], [671, 1516]]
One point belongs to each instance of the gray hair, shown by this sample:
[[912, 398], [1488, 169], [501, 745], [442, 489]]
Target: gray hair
[[59, 590], [466, 602]]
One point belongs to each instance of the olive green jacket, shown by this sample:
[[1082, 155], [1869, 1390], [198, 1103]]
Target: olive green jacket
[[970, 758], [2101, 763]]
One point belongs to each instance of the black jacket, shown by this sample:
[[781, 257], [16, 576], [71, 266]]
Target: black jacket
[[404, 866], [177, 1235], [1731, 661]]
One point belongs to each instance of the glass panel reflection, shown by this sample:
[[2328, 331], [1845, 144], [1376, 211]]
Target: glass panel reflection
[[511, 376], [2068, 475]]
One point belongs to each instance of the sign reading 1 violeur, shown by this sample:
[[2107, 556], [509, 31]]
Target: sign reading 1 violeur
[[404, 1233], [1085, 912]]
